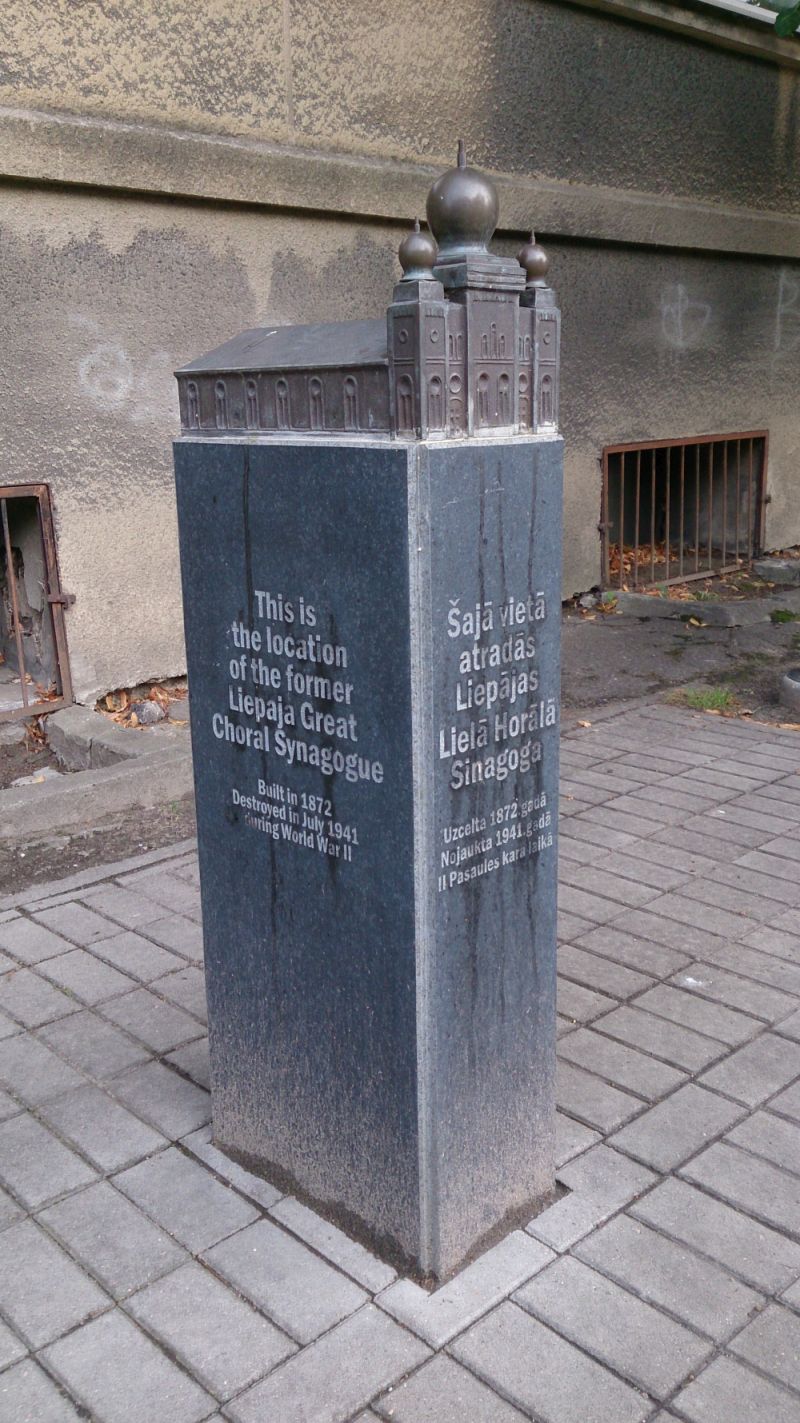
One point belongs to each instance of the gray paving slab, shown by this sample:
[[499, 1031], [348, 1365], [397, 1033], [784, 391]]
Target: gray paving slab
[[193, 1060], [572, 1138], [85, 977], [73, 921], [29, 998], [108, 1135], [160, 1026], [35, 1166], [571, 926], [655, 960], [640, 1342], [93, 1045], [342, 1251], [222, 1341], [701, 1016], [29, 941], [602, 974], [787, 1103], [735, 991], [769, 1136], [749, 1249], [9, 1107], [34, 1073], [10, 1210], [670, 1275], [748, 1183], [185, 1200], [42, 1292], [673, 1130], [790, 1027], [181, 935], [620, 1065], [752, 963], [592, 1101], [541, 1373], [8, 1026], [681, 1047], [124, 906], [600, 1182], [445, 1392], [136, 956], [186, 987], [163, 1097], [255, 1187], [604, 882], [439, 1315], [335, 1377], [771, 1343], [587, 906], [121, 1376], [581, 1005], [728, 1390], [299, 1291], [28, 1395], [11, 1346], [112, 1240], [756, 1071], [167, 889]]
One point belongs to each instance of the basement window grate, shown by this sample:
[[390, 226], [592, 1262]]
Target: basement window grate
[[34, 667], [675, 510]]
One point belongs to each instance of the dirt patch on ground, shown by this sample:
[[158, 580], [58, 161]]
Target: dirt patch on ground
[[23, 759], [132, 833], [613, 659]]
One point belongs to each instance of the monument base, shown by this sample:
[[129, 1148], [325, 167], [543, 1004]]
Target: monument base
[[373, 644]]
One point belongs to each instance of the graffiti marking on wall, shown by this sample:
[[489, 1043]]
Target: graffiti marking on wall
[[114, 383], [787, 312], [683, 320]]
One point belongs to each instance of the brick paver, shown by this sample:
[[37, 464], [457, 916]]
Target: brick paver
[[144, 1276]]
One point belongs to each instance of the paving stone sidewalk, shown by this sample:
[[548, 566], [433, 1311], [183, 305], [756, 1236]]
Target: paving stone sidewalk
[[143, 1279]]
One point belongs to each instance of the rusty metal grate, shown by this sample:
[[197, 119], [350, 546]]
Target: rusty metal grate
[[674, 510], [34, 666]]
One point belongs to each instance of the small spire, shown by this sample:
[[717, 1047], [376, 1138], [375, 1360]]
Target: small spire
[[418, 253], [534, 261], [462, 154]]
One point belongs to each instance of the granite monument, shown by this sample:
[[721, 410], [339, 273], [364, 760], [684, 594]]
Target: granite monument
[[370, 530]]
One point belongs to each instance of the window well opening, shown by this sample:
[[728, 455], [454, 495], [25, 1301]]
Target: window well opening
[[682, 509], [34, 671]]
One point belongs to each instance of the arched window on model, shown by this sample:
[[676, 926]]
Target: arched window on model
[[350, 403], [221, 405]]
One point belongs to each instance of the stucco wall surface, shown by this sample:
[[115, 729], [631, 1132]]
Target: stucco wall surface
[[102, 299], [534, 86], [327, 114]]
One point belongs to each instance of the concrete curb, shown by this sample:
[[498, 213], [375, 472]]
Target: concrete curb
[[742, 614], [113, 770]]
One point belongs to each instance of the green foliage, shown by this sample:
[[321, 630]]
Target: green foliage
[[783, 615], [788, 21], [717, 699]]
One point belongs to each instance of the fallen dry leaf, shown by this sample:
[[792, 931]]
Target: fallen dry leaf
[[584, 723]]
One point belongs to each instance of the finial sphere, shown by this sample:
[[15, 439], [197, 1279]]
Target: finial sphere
[[462, 210], [535, 261], [417, 253]]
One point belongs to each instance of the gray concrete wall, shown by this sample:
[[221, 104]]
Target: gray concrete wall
[[173, 173]]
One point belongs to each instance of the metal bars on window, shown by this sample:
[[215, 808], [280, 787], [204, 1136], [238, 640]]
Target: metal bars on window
[[675, 510], [34, 664]]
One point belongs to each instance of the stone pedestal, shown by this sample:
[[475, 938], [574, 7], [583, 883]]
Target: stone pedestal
[[373, 633]]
